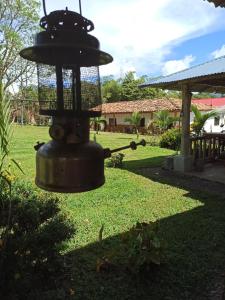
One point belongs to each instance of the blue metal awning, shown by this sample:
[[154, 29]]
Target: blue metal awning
[[209, 76]]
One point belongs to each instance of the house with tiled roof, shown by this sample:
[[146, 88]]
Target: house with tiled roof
[[216, 124], [115, 113]]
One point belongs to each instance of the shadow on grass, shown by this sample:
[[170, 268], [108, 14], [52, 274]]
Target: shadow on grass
[[133, 165], [195, 255]]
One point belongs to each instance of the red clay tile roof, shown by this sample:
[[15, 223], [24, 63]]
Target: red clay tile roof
[[151, 105], [213, 102]]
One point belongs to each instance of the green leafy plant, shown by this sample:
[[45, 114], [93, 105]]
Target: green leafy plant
[[200, 119], [171, 139], [143, 247], [30, 260], [140, 251], [5, 133], [153, 140], [163, 120], [115, 161], [134, 120], [6, 160]]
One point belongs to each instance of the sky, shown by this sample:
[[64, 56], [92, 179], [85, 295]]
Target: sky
[[153, 38]]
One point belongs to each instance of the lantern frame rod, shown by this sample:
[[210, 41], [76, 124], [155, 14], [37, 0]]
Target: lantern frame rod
[[78, 89], [80, 7], [59, 83], [44, 7]]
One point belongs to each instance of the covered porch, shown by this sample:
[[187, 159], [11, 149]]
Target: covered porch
[[196, 153]]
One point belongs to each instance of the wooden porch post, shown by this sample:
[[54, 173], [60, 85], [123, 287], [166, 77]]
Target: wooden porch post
[[185, 133], [184, 161]]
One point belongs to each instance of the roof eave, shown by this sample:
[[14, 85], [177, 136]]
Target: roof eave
[[196, 84]]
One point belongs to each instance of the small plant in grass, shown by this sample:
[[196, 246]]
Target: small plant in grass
[[153, 140], [115, 161], [140, 251], [143, 247]]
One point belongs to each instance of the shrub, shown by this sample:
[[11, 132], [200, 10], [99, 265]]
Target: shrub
[[33, 228], [171, 139], [153, 140], [115, 161]]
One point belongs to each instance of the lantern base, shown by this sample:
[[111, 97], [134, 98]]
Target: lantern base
[[58, 189], [70, 168]]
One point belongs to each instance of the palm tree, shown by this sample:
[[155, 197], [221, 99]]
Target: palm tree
[[163, 120], [134, 120], [96, 123], [200, 119]]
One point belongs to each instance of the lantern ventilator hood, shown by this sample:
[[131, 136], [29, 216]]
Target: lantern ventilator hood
[[68, 58], [66, 40]]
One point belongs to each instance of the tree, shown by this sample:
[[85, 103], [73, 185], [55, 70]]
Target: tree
[[200, 119], [132, 91], [163, 120], [134, 120], [128, 89], [148, 92], [173, 94], [18, 22], [204, 95], [111, 90], [29, 93]]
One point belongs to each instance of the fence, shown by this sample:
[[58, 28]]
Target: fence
[[208, 147]]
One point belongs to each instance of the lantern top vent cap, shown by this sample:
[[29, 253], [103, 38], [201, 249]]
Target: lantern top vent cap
[[66, 19]]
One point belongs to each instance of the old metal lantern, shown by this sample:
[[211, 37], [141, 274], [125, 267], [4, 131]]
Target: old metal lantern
[[68, 60]]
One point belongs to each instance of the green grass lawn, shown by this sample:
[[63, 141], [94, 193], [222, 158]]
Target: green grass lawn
[[192, 223]]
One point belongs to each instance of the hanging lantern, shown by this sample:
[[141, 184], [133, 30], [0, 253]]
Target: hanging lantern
[[68, 60]]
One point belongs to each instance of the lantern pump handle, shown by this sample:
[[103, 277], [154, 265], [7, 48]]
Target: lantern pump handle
[[133, 146]]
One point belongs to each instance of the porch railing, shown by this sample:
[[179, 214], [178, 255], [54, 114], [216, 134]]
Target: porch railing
[[209, 147]]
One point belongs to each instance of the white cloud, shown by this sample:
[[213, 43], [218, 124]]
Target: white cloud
[[173, 66], [219, 52], [139, 33]]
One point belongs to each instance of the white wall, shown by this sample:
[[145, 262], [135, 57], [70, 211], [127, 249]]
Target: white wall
[[208, 127], [121, 117], [211, 127]]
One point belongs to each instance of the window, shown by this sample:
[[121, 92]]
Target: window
[[216, 121], [142, 122], [112, 121]]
